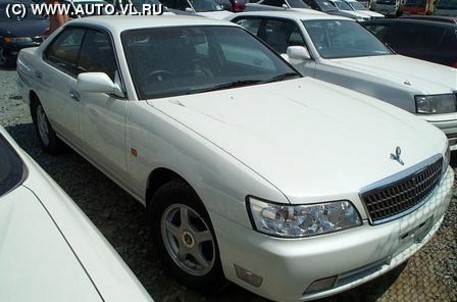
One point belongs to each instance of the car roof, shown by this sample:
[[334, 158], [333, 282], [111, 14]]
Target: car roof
[[446, 19], [293, 15], [121, 23], [412, 21]]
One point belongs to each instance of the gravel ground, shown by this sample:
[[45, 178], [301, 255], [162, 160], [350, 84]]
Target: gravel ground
[[431, 275]]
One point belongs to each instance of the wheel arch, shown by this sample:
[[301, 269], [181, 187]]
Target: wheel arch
[[157, 178]]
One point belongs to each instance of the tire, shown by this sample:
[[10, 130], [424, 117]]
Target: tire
[[46, 135], [4, 60], [189, 249]]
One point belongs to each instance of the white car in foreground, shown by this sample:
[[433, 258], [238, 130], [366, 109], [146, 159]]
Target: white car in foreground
[[233, 153], [340, 51], [50, 251]]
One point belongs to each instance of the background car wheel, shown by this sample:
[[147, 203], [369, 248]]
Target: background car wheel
[[46, 135], [185, 238], [4, 61]]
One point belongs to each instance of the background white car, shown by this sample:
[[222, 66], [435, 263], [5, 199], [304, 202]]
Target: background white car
[[358, 6], [342, 52], [50, 251], [232, 152]]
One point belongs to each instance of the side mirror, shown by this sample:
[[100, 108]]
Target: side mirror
[[189, 10], [285, 6], [297, 54], [98, 82]]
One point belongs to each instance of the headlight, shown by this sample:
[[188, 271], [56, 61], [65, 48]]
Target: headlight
[[447, 158], [17, 40], [444, 103], [302, 220]]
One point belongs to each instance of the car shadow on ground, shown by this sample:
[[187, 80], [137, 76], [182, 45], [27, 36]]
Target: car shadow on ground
[[121, 220]]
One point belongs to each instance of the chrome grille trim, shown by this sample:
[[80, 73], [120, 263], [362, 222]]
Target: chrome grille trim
[[402, 193]]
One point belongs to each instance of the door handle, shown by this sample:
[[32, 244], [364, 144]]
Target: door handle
[[39, 74], [75, 95]]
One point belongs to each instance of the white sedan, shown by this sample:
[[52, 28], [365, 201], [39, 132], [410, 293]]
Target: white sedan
[[340, 51], [233, 153], [50, 251]]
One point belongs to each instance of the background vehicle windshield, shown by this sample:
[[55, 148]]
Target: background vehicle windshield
[[389, 2], [343, 39], [342, 5], [11, 167], [419, 3], [326, 6], [186, 60], [205, 5], [446, 4], [358, 6], [297, 4]]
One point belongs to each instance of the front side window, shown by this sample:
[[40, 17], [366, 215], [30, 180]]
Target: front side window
[[63, 51], [343, 39], [11, 167], [97, 54], [184, 60], [252, 25]]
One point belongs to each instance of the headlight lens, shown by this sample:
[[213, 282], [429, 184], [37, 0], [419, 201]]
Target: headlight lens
[[17, 40], [429, 104], [447, 157], [302, 220]]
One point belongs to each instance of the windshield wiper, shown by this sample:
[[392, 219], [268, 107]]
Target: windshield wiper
[[228, 85], [283, 76]]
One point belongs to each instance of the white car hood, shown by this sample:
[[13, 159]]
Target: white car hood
[[287, 132], [372, 13], [37, 268], [423, 76], [216, 14], [357, 14]]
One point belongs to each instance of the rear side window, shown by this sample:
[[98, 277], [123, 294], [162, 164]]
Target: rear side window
[[11, 167], [63, 51]]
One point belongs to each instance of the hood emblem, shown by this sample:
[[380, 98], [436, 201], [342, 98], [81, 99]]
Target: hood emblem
[[397, 155]]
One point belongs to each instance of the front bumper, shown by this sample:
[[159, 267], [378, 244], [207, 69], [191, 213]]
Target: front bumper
[[448, 124], [287, 267], [12, 49]]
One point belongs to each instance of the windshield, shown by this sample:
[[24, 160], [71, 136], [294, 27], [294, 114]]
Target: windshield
[[11, 167], [326, 6], [297, 4], [205, 5], [420, 3], [187, 60], [342, 5], [446, 4], [357, 6], [343, 39]]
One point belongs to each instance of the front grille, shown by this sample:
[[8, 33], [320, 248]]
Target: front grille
[[390, 201]]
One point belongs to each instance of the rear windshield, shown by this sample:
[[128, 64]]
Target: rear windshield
[[11, 167]]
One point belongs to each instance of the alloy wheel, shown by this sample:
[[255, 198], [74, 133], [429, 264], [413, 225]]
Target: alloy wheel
[[42, 123], [188, 239]]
